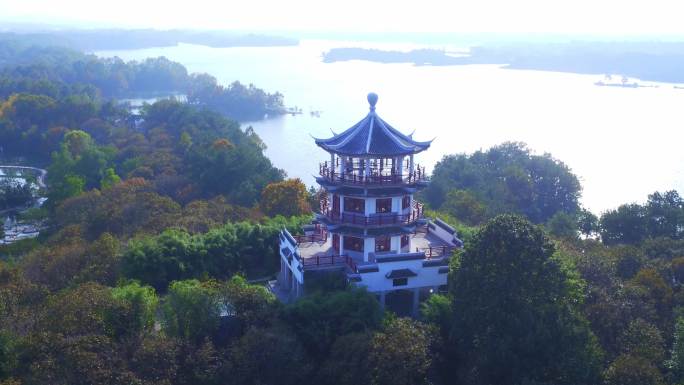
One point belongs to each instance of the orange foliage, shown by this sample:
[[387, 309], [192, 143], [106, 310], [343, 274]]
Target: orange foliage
[[287, 198]]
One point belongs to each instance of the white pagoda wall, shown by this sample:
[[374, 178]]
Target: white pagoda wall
[[427, 276]]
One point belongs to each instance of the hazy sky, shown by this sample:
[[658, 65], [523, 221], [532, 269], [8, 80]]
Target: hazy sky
[[566, 16]]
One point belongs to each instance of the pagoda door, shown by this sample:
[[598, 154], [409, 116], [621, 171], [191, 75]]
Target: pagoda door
[[336, 243], [336, 205]]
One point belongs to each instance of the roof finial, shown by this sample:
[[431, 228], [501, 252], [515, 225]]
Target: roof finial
[[372, 99]]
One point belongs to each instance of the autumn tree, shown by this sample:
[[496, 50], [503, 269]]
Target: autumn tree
[[287, 198]]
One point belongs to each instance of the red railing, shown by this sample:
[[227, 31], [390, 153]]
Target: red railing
[[355, 177], [329, 260], [414, 214], [310, 238], [435, 251]]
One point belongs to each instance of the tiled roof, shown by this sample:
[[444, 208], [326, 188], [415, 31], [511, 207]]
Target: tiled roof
[[400, 273], [372, 136]]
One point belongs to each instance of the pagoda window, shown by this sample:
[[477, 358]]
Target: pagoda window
[[400, 282], [406, 202], [353, 243], [354, 205], [382, 244], [383, 205]]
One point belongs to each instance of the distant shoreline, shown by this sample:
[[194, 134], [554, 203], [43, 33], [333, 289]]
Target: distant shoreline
[[658, 62], [120, 39]]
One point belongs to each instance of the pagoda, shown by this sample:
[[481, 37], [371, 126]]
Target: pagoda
[[369, 226]]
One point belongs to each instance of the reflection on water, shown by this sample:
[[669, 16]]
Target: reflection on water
[[624, 143]]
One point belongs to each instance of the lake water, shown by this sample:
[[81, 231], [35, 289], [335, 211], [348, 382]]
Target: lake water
[[623, 143]]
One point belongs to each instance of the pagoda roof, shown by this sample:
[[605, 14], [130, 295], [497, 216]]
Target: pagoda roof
[[372, 136], [401, 273]]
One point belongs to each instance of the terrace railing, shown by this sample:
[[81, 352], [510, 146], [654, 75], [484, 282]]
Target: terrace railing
[[321, 236], [357, 177], [328, 261], [379, 219], [436, 251]]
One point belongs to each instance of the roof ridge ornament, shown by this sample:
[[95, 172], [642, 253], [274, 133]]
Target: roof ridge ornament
[[372, 100], [372, 136]]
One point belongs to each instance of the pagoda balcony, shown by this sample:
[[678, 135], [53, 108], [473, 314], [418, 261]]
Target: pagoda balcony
[[315, 251], [380, 219], [327, 261], [357, 176]]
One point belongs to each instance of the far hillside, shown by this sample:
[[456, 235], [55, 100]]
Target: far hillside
[[58, 72]]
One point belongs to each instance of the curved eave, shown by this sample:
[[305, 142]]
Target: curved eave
[[405, 145], [423, 146]]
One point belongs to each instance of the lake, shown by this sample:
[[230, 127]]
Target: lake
[[623, 143]]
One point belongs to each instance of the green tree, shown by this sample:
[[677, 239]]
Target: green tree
[[562, 225], [192, 310], [514, 310], [665, 212], [642, 339], [463, 205], [587, 222], [109, 179], [676, 362], [678, 269], [320, 318], [400, 353], [627, 224], [437, 311], [77, 142], [347, 363], [508, 178], [650, 287], [8, 354], [70, 186], [629, 260], [630, 370], [138, 306], [267, 356], [253, 305]]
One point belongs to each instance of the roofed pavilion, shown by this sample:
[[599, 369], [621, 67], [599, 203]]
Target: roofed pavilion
[[369, 223]]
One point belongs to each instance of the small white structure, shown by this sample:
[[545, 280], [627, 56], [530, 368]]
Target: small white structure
[[369, 226]]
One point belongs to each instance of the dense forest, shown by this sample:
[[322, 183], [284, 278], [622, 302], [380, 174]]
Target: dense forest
[[160, 230], [73, 77]]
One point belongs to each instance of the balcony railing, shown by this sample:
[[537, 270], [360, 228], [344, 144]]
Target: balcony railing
[[436, 251], [379, 219], [329, 260], [357, 176], [321, 236]]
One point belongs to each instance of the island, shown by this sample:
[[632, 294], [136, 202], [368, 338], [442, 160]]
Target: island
[[659, 61]]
